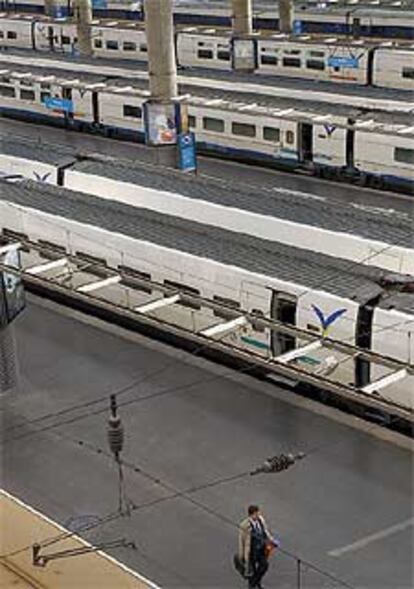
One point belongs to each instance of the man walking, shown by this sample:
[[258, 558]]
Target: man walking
[[254, 537]]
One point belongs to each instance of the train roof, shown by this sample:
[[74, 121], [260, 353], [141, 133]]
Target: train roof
[[225, 32], [291, 264], [389, 123], [393, 228], [302, 39]]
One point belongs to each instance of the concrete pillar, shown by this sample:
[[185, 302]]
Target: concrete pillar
[[286, 16], [50, 7], [162, 67], [242, 17], [82, 10], [8, 360]]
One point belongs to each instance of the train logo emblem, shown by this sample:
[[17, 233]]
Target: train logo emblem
[[40, 178], [327, 321]]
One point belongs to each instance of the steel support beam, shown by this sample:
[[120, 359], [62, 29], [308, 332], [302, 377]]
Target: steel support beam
[[47, 266], [223, 328], [386, 381], [158, 304], [298, 352], [92, 286]]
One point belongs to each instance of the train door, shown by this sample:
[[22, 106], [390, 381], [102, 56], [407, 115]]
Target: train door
[[350, 146], [363, 339], [95, 107], [67, 95], [50, 37], [283, 308], [305, 139]]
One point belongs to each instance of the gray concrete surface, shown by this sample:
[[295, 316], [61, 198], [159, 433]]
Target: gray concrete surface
[[347, 508]]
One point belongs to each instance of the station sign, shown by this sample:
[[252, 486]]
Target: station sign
[[187, 152], [344, 62], [61, 104], [297, 28], [12, 299]]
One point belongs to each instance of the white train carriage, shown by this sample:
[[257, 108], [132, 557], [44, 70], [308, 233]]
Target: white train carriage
[[45, 98], [59, 35], [242, 287], [323, 59], [119, 40], [394, 68], [387, 157], [16, 31], [121, 110], [204, 49]]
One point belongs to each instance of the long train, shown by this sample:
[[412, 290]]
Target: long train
[[333, 146], [388, 21], [373, 63], [312, 291]]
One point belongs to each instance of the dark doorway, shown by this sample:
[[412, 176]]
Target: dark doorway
[[284, 307], [305, 133]]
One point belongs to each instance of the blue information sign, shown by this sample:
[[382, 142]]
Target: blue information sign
[[58, 104], [102, 4], [187, 151], [297, 27], [350, 62]]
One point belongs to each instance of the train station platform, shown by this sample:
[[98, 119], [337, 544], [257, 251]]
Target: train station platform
[[191, 430], [22, 526]]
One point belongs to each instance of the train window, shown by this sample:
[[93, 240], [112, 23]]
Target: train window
[[408, 72], [45, 86], [404, 155], [290, 137], [1, 34], [205, 54], [292, 52], [211, 124], [143, 48], [44, 95], [183, 288], [7, 91], [5, 79], [315, 64], [67, 93], [27, 95], [11, 35], [129, 46], [132, 111], [316, 53], [269, 60], [65, 40], [113, 45], [191, 121], [223, 55], [243, 129], [98, 43], [291, 62], [24, 82], [225, 313], [271, 134]]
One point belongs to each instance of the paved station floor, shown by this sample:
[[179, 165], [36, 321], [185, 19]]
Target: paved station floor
[[378, 202], [347, 508]]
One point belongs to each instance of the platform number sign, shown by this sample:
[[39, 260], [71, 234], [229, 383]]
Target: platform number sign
[[12, 299]]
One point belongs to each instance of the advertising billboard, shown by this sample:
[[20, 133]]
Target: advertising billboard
[[161, 124], [12, 299]]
